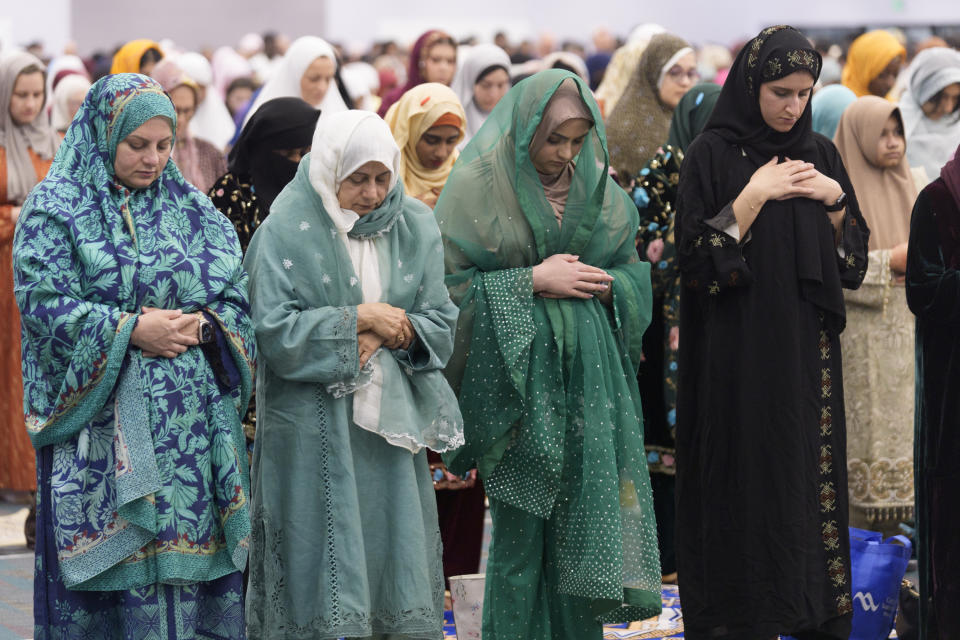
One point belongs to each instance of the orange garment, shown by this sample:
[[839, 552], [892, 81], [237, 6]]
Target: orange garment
[[17, 458]]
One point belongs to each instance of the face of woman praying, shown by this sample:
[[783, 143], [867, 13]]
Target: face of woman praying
[[316, 80], [238, 97], [561, 146], [27, 98], [440, 63], [678, 80], [490, 88], [944, 103], [891, 145], [365, 189], [881, 85], [143, 154], [185, 102], [782, 101], [436, 144]]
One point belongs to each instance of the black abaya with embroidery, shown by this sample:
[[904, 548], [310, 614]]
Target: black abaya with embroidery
[[761, 532]]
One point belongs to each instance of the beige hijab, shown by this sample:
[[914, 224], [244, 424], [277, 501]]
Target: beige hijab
[[19, 139], [566, 104], [886, 196]]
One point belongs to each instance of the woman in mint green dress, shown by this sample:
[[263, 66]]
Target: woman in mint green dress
[[354, 325], [540, 257]]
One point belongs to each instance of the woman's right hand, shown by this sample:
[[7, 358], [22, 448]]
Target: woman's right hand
[[898, 259], [383, 319], [164, 332], [563, 276], [779, 180]]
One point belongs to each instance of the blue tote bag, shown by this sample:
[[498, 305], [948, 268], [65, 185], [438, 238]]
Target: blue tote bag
[[878, 566]]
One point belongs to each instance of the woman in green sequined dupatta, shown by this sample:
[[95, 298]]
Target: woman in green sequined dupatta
[[544, 365]]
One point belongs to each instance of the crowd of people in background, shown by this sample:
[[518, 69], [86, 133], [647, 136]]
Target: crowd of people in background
[[601, 288]]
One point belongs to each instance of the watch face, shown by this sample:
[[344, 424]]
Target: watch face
[[206, 332]]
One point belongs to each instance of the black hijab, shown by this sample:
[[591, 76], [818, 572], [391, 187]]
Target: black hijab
[[773, 54], [281, 123]]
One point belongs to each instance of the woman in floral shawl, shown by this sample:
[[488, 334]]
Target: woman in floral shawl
[[554, 299], [354, 324], [137, 364]]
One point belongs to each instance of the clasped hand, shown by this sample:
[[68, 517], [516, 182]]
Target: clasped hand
[[164, 332], [793, 179], [380, 324], [563, 276]]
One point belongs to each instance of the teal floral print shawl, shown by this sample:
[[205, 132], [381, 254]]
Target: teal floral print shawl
[[150, 480]]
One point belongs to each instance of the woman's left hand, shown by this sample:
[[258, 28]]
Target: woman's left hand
[[367, 344], [825, 189]]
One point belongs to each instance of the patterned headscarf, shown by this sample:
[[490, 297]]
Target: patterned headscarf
[[773, 54], [639, 123]]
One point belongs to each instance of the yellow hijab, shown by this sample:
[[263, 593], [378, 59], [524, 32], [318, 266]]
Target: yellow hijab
[[409, 118], [870, 54], [127, 58]]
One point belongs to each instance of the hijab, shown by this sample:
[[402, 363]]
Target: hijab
[[564, 105], [60, 115], [868, 55], [479, 61], [827, 106], [885, 195], [18, 139], [566, 60], [930, 142], [285, 80], [691, 114], [65, 64], [281, 123], [419, 53], [127, 58], [409, 118], [343, 144], [639, 123], [211, 121], [227, 65], [618, 75], [775, 53]]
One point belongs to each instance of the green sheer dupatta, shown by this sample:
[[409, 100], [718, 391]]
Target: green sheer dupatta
[[547, 387]]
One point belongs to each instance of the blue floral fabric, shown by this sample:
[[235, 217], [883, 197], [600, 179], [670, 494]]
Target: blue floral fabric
[[148, 482]]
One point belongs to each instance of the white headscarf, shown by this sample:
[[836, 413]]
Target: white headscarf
[[62, 63], [930, 143], [285, 81], [476, 61], [342, 143], [60, 115], [212, 120], [362, 83], [228, 65]]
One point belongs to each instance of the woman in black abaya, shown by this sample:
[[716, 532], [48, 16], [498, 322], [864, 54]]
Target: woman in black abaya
[[768, 231]]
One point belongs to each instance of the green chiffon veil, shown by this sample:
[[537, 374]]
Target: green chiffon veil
[[547, 387]]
